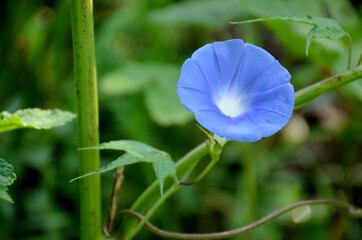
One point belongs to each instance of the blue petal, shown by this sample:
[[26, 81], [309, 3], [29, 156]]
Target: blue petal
[[268, 122], [240, 129], [192, 77], [193, 99], [206, 60], [271, 76], [213, 120], [230, 55], [279, 99], [254, 62]]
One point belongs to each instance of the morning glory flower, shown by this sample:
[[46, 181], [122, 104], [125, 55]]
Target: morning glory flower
[[236, 90]]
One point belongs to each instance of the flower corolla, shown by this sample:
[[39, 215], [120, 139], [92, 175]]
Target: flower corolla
[[236, 90]]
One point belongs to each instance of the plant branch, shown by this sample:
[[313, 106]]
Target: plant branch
[[352, 210], [113, 205], [85, 77], [214, 160], [360, 60], [182, 170], [308, 94], [151, 211]]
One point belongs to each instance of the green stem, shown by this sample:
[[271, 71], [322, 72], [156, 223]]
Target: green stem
[[182, 170], [308, 94], [87, 111], [152, 210], [148, 202], [149, 197], [360, 60], [352, 210], [108, 227], [214, 159], [172, 190]]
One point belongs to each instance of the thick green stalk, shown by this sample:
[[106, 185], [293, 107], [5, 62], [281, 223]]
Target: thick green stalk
[[148, 200], [87, 111], [308, 94]]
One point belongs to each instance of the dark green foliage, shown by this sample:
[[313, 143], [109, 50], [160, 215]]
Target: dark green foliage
[[7, 177]]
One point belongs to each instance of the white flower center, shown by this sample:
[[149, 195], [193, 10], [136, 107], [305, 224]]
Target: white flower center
[[230, 106]]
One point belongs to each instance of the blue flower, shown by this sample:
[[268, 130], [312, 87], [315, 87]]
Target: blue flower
[[236, 90]]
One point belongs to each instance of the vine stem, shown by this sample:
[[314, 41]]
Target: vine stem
[[85, 77], [108, 227], [360, 60], [213, 161], [152, 210], [308, 94], [352, 210], [147, 203]]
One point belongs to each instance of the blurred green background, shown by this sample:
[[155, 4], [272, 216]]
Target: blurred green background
[[140, 47]]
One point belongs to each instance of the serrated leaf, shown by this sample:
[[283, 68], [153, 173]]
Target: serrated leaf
[[323, 27], [7, 177], [324, 32], [34, 118], [137, 152]]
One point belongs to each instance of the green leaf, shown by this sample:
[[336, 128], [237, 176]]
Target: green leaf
[[198, 13], [137, 152], [161, 99], [129, 79], [323, 27], [34, 118], [159, 83], [7, 177]]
